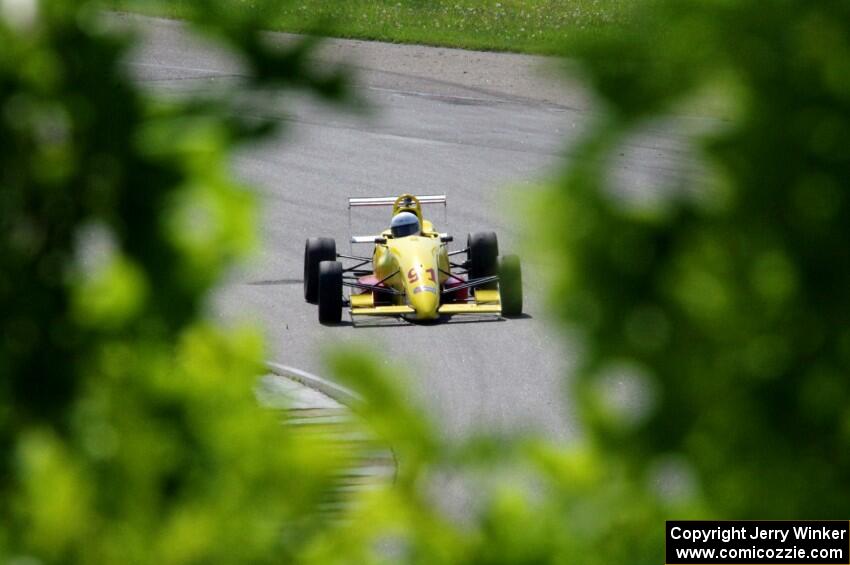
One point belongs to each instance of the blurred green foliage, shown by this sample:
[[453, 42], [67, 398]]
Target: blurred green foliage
[[721, 312], [129, 431], [714, 325]]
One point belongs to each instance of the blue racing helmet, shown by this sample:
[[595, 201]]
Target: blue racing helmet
[[404, 224]]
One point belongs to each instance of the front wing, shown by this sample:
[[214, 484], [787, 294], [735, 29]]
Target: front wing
[[486, 302]]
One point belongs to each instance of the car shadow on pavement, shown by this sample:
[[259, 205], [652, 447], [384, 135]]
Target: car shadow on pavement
[[272, 282]]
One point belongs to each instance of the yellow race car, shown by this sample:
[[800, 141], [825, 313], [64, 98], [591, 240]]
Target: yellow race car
[[411, 272]]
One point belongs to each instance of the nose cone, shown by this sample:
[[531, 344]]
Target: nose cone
[[425, 302], [420, 274]]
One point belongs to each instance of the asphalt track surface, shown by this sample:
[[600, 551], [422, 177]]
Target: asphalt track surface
[[481, 128]]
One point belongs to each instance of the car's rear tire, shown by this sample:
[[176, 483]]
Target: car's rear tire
[[483, 255], [330, 292], [510, 285], [316, 250]]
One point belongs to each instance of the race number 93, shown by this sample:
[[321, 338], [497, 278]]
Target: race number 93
[[413, 276]]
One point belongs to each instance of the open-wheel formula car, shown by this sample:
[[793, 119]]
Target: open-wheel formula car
[[411, 272]]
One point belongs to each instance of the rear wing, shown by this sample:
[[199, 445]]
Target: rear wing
[[377, 201], [445, 237], [390, 200]]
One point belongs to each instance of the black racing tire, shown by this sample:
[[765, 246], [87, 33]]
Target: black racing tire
[[483, 255], [316, 250], [510, 285], [330, 292]]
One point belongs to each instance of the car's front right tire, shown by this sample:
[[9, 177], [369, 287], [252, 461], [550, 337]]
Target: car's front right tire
[[316, 250], [330, 292], [510, 285]]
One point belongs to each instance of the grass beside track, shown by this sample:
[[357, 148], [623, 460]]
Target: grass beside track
[[530, 26]]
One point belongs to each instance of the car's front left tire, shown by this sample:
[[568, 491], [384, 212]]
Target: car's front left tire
[[483, 253], [330, 292], [316, 250]]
